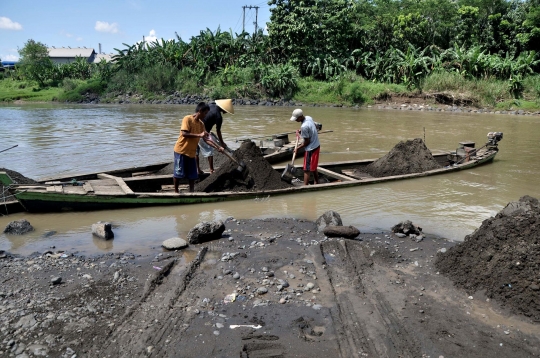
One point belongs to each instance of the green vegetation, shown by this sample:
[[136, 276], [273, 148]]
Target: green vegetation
[[483, 52]]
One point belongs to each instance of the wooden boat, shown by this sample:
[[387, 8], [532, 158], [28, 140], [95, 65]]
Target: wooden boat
[[138, 187]]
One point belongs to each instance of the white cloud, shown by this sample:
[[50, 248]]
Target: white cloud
[[79, 38], [8, 24], [9, 57], [103, 26], [151, 36]]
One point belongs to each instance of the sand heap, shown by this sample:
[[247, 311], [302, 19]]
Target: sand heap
[[407, 157], [502, 257], [259, 173]]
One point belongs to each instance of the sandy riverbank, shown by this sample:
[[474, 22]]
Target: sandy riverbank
[[297, 294]]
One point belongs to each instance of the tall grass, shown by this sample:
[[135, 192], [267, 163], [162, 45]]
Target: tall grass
[[11, 90]]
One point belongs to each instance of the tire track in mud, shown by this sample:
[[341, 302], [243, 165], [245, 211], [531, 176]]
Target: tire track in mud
[[139, 336], [382, 334]]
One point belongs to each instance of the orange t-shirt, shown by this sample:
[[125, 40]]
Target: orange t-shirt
[[188, 146]]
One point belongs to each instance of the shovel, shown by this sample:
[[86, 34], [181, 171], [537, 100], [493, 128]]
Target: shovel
[[288, 173], [241, 165]]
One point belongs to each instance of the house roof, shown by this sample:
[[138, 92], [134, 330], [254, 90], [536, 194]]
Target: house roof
[[99, 56], [70, 52]]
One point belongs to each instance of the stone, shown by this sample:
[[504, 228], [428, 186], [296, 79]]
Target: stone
[[236, 276], [283, 283], [206, 231], [262, 290], [38, 349], [26, 322], [18, 227], [534, 287], [176, 243], [349, 232], [102, 230], [56, 280], [328, 218], [407, 228]]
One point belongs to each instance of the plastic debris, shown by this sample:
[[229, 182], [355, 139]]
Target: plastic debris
[[157, 268], [230, 298], [233, 326]]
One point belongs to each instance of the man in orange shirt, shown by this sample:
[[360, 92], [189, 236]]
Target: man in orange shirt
[[185, 149]]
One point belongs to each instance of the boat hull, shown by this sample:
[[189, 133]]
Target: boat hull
[[34, 201]]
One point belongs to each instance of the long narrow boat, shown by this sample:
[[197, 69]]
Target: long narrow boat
[[138, 187]]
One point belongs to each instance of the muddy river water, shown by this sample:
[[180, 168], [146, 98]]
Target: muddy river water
[[62, 140]]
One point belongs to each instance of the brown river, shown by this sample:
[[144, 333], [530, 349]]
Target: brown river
[[67, 139]]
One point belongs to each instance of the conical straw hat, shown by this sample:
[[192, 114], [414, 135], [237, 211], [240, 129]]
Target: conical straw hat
[[226, 105]]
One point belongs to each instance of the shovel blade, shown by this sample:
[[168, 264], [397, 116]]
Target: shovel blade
[[287, 174]]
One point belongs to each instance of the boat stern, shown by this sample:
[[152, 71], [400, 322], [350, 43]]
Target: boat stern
[[5, 179]]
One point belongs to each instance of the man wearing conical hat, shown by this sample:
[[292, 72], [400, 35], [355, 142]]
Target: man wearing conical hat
[[214, 118]]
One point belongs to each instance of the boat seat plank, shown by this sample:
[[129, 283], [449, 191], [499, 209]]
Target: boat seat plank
[[352, 173], [109, 190], [74, 190], [55, 189], [102, 182], [334, 174], [121, 183], [88, 187]]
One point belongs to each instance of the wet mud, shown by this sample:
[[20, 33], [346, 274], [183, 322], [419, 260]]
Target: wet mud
[[267, 288]]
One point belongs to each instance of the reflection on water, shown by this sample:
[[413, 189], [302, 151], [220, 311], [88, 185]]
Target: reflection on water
[[56, 139]]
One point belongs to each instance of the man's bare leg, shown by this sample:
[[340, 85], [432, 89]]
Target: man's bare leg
[[315, 177], [176, 183], [191, 185], [306, 178], [211, 164], [199, 171]]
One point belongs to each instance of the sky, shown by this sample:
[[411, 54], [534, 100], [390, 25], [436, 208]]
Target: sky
[[78, 23]]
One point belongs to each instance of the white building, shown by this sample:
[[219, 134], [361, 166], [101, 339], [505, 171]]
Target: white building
[[67, 54]]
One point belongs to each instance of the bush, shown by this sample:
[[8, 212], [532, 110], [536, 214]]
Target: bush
[[186, 81], [158, 78], [354, 93], [76, 95], [69, 84], [279, 80]]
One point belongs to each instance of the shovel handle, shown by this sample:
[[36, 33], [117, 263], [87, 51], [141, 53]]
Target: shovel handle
[[295, 148], [216, 146]]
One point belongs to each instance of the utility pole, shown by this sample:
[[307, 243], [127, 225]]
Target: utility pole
[[244, 16]]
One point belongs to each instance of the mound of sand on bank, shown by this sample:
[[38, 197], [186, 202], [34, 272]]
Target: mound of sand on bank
[[18, 177], [259, 175], [502, 257], [407, 157]]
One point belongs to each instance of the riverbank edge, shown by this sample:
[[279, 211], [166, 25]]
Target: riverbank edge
[[406, 103]]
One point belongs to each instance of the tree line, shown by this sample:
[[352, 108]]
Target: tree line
[[383, 41]]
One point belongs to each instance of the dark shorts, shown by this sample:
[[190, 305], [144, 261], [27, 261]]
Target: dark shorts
[[311, 160], [184, 167]]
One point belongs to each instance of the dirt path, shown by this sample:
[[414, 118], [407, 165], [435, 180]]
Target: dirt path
[[297, 295]]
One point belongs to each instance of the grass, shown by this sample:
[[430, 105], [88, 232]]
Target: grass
[[486, 92], [349, 89], [12, 90]]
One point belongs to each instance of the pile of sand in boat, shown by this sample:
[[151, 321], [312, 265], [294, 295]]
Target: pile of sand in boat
[[407, 157]]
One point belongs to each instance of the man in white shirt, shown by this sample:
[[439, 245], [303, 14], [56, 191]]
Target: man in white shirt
[[309, 133]]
